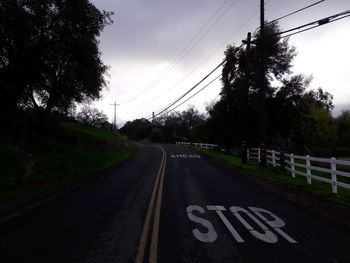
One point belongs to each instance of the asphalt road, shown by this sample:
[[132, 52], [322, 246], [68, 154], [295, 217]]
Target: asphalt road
[[170, 204]]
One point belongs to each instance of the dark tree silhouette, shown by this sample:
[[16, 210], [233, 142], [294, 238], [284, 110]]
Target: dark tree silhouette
[[289, 105], [343, 125], [49, 57], [92, 116]]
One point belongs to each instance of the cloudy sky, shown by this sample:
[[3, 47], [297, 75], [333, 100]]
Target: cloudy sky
[[158, 49]]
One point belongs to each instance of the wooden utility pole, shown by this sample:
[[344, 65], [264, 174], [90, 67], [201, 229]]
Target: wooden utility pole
[[262, 129], [245, 93], [114, 125]]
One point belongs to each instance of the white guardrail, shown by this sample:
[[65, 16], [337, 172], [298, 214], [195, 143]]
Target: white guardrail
[[327, 170], [197, 144]]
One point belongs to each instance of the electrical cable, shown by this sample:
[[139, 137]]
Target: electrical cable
[[187, 92], [314, 24], [294, 12], [307, 29], [183, 95], [319, 22], [182, 53], [203, 61], [195, 93]]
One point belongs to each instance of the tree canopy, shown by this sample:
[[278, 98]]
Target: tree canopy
[[291, 106], [49, 56]]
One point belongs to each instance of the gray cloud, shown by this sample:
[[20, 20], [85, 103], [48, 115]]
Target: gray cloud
[[148, 32]]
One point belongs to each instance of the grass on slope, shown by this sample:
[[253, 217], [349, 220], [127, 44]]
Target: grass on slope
[[275, 175], [66, 155]]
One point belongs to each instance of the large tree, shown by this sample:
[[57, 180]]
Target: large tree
[[343, 125], [288, 102], [49, 56]]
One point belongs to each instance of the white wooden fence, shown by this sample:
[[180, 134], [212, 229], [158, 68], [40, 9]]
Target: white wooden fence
[[201, 145], [327, 170]]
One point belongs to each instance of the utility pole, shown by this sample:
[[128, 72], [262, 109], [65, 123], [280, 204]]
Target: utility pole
[[245, 93], [114, 125], [262, 130]]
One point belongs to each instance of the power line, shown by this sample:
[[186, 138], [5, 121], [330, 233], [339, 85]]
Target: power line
[[203, 61], [314, 24], [183, 52], [183, 95], [294, 12], [289, 14], [187, 92], [195, 93], [307, 29]]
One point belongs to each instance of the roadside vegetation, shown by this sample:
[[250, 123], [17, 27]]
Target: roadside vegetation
[[67, 154], [44, 143], [282, 182], [298, 116]]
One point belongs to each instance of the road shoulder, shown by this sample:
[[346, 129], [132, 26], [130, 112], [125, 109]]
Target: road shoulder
[[300, 197]]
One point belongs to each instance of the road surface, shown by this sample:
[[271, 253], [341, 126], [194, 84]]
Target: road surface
[[170, 204]]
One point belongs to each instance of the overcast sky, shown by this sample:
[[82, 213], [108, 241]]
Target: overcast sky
[[148, 35]]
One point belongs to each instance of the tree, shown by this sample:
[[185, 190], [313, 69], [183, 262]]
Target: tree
[[319, 129], [239, 90], [343, 127], [181, 125], [138, 129], [92, 116], [49, 54], [156, 135], [289, 106], [17, 55]]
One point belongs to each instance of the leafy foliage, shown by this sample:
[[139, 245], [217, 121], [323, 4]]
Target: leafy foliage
[[343, 125], [92, 116], [187, 125], [49, 57], [296, 116]]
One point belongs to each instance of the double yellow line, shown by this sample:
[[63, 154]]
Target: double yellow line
[[153, 209]]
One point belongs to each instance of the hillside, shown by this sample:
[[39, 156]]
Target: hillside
[[45, 162]]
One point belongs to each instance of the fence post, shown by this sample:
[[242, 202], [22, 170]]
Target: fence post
[[259, 155], [247, 154], [292, 166], [273, 158], [282, 161], [244, 153], [334, 175], [308, 169]]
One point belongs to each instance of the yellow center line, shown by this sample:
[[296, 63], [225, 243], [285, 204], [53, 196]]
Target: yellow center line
[[146, 225], [155, 231]]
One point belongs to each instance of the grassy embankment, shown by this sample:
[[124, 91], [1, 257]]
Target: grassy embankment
[[279, 178], [65, 156]]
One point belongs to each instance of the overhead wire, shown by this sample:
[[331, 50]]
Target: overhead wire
[[294, 12], [291, 13], [192, 88], [188, 91], [314, 24], [307, 29], [203, 61], [184, 51], [207, 85]]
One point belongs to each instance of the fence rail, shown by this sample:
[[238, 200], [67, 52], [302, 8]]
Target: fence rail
[[327, 170], [198, 144]]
